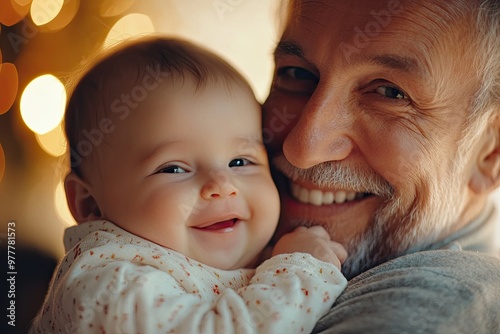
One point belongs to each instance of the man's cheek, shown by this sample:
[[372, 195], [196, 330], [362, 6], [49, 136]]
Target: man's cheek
[[279, 119]]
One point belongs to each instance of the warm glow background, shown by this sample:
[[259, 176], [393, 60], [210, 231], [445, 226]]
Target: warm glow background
[[42, 41]]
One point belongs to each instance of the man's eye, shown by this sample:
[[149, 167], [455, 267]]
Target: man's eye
[[295, 80], [297, 73], [239, 162], [173, 169], [391, 92]]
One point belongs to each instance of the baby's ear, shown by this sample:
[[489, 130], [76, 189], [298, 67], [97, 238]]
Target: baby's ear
[[486, 174], [81, 202]]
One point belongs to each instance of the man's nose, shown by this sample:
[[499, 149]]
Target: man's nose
[[218, 185], [322, 133]]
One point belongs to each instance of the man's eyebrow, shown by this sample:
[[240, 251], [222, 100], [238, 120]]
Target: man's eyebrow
[[397, 62], [288, 48], [392, 61]]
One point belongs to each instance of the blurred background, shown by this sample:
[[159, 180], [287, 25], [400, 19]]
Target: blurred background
[[41, 43]]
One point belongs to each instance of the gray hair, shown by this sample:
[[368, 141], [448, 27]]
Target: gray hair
[[486, 103], [488, 56]]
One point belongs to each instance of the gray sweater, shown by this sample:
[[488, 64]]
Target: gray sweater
[[453, 290]]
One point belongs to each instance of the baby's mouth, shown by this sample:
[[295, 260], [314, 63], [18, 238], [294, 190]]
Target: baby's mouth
[[220, 225]]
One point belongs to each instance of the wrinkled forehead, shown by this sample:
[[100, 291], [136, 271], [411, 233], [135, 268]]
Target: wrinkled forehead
[[354, 11], [416, 23]]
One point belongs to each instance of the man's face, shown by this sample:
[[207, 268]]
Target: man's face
[[363, 120]]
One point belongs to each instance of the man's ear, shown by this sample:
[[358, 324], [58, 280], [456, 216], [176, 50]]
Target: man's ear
[[486, 174], [81, 202]]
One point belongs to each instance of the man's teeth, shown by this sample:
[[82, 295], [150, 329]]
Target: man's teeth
[[319, 197]]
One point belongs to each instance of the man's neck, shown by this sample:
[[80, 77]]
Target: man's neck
[[477, 234]]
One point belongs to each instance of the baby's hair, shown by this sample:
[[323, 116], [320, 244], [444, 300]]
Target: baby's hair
[[126, 73]]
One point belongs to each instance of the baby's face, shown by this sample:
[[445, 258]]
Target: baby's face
[[188, 170]]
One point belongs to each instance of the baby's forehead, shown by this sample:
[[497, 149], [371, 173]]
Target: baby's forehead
[[147, 90], [136, 84], [183, 114], [179, 102]]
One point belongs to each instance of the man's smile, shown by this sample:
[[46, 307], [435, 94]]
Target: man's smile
[[323, 197]]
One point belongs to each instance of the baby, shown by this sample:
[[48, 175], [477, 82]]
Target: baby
[[171, 190]]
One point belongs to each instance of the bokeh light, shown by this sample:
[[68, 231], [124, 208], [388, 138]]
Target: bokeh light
[[11, 12], [65, 16], [128, 26], [42, 103], [53, 142], [2, 162], [23, 2], [61, 205], [110, 8], [8, 86], [44, 11]]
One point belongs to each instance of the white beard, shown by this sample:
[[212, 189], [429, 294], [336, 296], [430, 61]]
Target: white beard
[[400, 226]]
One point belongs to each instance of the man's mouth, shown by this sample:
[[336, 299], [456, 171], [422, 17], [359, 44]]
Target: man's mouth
[[319, 197]]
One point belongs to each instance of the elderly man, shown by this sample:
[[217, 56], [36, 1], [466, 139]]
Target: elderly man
[[383, 123]]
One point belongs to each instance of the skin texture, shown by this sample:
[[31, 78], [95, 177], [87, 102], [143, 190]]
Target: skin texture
[[375, 104], [201, 161]]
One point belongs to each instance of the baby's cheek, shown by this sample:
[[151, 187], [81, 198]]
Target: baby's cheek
[[269, 204]]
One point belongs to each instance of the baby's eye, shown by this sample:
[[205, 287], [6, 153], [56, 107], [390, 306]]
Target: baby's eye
[[391, 92], [239, 162], [172, 169]]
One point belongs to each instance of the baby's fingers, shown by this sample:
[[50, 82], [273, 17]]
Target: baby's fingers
[[329, 251], [339, 250], [316, 230]]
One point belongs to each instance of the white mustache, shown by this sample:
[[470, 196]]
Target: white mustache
[[335, 175]]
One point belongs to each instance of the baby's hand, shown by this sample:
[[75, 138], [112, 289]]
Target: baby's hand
[[314, 240]]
